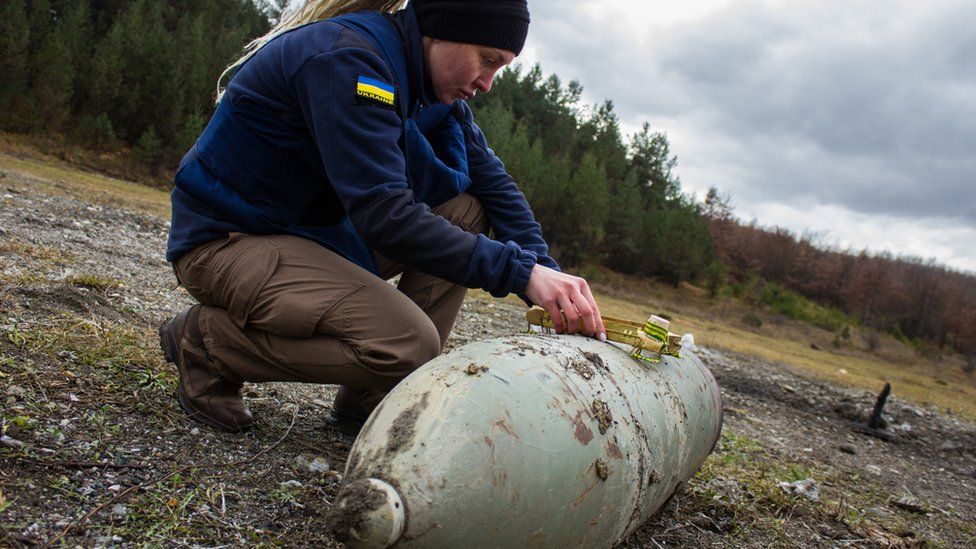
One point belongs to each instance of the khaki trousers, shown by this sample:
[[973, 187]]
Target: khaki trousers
[[284, 308]]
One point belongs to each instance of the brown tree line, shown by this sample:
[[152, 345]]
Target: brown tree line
[[915, 300]]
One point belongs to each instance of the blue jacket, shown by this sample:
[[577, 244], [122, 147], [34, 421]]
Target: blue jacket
[[306, 142]]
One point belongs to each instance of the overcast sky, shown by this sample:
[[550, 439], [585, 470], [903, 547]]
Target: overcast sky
[[852, 119]]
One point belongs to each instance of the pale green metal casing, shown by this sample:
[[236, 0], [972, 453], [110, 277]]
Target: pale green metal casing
[[535, 441]]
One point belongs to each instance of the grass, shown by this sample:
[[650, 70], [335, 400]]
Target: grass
[[725, 323], [93, 282], [738, 488], [51, 175]]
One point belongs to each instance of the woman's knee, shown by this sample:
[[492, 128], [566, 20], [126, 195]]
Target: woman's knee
[[412, 346], [428, 345]]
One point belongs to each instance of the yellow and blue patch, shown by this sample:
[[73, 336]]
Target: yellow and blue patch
[[370, 91]]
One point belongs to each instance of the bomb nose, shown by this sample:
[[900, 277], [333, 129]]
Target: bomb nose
[[367, 513]]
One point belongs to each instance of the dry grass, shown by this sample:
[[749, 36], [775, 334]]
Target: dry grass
[[54, 176]]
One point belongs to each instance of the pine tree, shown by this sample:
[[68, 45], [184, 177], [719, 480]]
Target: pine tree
[[652, 160], [14, 44], [52, 82], [584, 207]]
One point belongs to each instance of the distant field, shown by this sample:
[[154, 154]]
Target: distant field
[[938, 380]]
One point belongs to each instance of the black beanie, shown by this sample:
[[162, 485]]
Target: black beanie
[[499, 24]]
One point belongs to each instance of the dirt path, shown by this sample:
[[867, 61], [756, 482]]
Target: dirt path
[[96, 451]]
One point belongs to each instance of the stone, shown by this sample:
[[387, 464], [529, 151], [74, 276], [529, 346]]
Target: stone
[[807, 488], [877, 512], [9, 442], [848, 448], [309, 463]]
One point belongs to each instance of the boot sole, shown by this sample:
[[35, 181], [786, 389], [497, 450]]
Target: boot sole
[[167, 343], [345, 424]]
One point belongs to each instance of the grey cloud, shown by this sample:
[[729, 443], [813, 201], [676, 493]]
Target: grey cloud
[[862, 104]]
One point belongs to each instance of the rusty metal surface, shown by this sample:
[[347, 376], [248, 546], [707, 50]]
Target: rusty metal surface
[[538, 441]]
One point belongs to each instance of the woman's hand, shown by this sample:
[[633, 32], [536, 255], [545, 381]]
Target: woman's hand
[[553, 290]]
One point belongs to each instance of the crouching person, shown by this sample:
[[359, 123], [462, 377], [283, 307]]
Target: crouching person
[[341, 154]]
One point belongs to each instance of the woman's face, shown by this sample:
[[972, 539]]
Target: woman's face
[[458, 71]]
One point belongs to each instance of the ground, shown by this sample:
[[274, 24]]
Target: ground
[[96, 452]]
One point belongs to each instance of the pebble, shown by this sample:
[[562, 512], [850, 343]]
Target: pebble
[[807, 488], [293, 483], [11, 442], [848, 448], [119, 509], [194, 431], [877, 512], [312, 464], [873, 469]]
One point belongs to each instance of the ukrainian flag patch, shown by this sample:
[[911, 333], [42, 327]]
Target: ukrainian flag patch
[[370, 91]]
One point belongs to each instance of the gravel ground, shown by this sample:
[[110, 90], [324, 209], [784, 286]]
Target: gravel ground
[[95, 451]]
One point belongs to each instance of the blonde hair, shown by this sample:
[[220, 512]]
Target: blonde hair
[[310, 12]]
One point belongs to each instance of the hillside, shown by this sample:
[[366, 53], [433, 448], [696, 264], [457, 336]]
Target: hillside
[[96, 451]]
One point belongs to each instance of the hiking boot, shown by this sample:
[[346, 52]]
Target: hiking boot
[[352, 407], [349, 424], [202, 393]]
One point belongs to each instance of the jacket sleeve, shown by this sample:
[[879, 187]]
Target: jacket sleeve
[[508, 210], [359, 141]]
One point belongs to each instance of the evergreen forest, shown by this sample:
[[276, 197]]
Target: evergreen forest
[[138, 78]]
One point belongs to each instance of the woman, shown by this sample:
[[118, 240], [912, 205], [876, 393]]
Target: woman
[[341, 154]]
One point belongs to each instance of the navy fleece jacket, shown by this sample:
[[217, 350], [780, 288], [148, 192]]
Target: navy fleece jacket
[[293, 149]]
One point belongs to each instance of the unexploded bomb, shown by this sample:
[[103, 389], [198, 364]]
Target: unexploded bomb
[[534, 451]]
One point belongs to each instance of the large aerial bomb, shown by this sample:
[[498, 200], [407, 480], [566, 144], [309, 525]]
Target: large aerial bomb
[[527, 441]]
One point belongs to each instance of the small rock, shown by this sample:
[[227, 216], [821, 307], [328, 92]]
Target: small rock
[[842, 372], [873, 469], [115, 489], [312, 464], [807, 488], [878, 512], [848, 448], [292, 483], [909, 503], [11, 442], [119, 510], [848, 410], [904, 427], [950, 446], [788, 388], [728, 489], [195, 431], [16, 391]]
